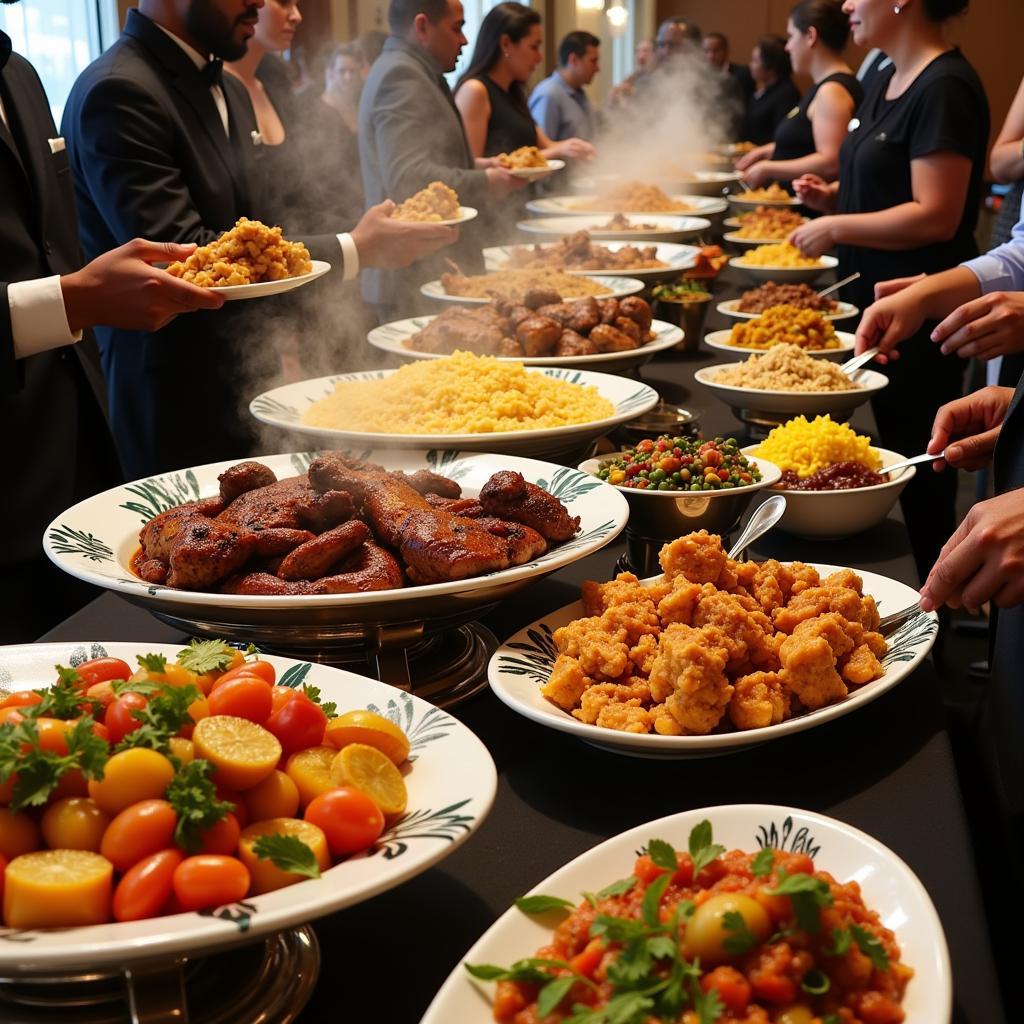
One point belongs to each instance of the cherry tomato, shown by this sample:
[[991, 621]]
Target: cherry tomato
[[261, 669], [102, 692], [147, 886], [11, 715], [222, 837], [243, 696], [298, 723], [3, 869], [53, 734], [101, 670], [209, 880], [138, 832], [21, 699], [131, 776], [74, 823], [349, 818], [119, 719], [99, 729], [240, 811]]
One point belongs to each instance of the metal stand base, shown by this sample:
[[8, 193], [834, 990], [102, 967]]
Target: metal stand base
[[265, 982]]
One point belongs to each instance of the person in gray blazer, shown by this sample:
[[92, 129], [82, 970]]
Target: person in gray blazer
[[410, 134]]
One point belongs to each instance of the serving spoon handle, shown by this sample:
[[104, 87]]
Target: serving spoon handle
[[839, 284], [765, 516], [926, 457]]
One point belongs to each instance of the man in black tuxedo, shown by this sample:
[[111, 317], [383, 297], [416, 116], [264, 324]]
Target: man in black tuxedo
[[57, 449], [163, 145]]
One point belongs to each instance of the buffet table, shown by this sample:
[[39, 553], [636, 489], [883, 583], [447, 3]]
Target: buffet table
[[886, 769]]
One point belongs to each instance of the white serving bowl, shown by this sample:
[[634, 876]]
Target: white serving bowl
[[830, 515], [676, 258], [664, 227], [576, 205], [786, 404], [719, 341], [618, 288], [843, 311], [785, 275]]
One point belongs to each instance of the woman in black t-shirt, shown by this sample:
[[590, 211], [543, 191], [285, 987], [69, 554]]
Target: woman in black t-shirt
[[906, 203], [775, 95], [808, 140]]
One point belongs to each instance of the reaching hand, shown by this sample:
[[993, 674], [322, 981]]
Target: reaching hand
[[754, 156], [893, 317], [572, 149], [815, 193], [984, 328], [502, 182], [815, 237], [967, 429], [385, 242], [759, 174], [983, 560], [122, 289]]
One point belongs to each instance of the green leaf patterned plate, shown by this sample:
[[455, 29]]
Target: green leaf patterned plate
[[451, 781], [522, 665], [95, 540]]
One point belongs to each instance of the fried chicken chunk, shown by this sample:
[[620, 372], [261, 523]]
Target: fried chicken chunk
[[624, 589], [600, 655], [809, 671], [697, 556], [689, 676], [567, 683], [758, 699]]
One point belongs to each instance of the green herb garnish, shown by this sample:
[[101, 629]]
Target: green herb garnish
[[155, 663], [203, 656], [663, 854], [162, 718], [542, 904], [329, 708], [807, 894], [702, 850], [193, 795], [815, 982], [871, 946], [289, 853], [741, 939], [762, 864]]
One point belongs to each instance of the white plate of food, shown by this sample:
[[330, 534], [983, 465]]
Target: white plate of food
[[842, 310], [261, 289], [605, 286], [736, 239], [676, 258], [690, 205], [784, 274], [771, 196], [396, 338], [451, 783], [719, 340], [618, 227], [892, 918], [677, 180], [537, 173], [287, 406], [522, 667], [466, 213], [792, 403]]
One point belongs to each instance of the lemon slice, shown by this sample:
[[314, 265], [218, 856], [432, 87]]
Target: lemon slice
[[365, 768], [368, 727], [242, 752], [57, 889]]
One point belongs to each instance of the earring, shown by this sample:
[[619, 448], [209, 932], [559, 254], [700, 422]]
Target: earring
[[897, 9]]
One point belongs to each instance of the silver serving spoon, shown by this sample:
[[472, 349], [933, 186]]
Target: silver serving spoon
[[888, 625], [851, 366], [897, 466], [764, 518], [839, 284]]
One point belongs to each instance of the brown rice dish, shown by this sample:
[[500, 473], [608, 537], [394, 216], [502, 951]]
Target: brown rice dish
[[634, 197], [786, 368], [460, 394], [521, 158], [619, 222], [757, 300], [769, 222], [512, 285], [788, 325], [248, 253], [714, 644], [578, 252], [435, 202]]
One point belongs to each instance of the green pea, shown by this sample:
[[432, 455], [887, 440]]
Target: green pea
[[657, 475], [664, 486], [727, 484], [694, 487]]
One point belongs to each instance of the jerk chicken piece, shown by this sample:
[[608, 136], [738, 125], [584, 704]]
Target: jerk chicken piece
[[538, 335], [580, 315], [246, 476], [537, 297], [606, 338], [480, 331], [369, 568], [291, 504], [628, 327], [468, 508], [508, 495], [608, 309], [433, 483], [572, 344], [638, 310], [318, 556]]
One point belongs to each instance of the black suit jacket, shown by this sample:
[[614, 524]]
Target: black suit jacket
[[150, 158], [51, 422]]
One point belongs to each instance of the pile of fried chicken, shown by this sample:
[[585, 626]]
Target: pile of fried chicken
[[347, 526], [578, 252], [542, 326], [714, 639]]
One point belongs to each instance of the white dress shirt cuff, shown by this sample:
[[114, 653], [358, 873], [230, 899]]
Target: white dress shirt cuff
[[38, 318], [349, 256], [992, 273]]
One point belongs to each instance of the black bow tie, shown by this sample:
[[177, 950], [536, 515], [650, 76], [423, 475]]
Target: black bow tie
[[213, 72]]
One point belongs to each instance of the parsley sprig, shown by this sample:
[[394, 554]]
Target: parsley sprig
[[807, 895], [203, 656], [289, 853], [193, 795], [329, 707], [162, 718]]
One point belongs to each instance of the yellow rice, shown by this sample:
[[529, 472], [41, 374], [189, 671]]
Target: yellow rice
[[460, 394], [805, 447]]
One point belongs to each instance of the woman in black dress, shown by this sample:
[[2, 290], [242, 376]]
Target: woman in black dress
[[807, 141], [491, 94], [775, 95], [906, 203]]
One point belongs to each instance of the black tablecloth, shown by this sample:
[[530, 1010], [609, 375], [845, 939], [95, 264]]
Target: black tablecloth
[[887, 769]]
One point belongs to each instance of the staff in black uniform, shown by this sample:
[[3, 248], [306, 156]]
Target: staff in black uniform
[[907, 202], [808, 140], [775, 95]]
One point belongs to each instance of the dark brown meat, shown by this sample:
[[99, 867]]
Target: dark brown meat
[[246, 476], [427, 482], [537, 297], [538, 335], [279, 541], [630, 328], [318, 556], [478, 330], [523, 542], [293, 503], [638, 310], [609, 309], [606, 338], [572, 344], [510, 347], [508, 495], [467, 507], [516, 314]]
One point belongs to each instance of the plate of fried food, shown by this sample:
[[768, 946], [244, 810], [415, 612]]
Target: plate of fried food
[[610, 335], [785, 381], [711, 656], [102, 896], [249, 261], [784, 262], [308, 541], [521, 285], [618, 227], [477, 403], [753, 302], [784, 325], [762, 225], [529, 162], [697, 917], [628, 197], [771, 195], [435, 204], [578, 253]]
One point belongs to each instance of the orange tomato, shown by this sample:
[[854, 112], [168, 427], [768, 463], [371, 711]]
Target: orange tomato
[[276, 796], [18, 833], [209, 880], [221, 837], [102, 692], [139, 831], [74, 823], [349, 819], [131, 776], [260, 669], [21, 699], [244, 696], [11, 715], [147, 886], [53, 734], [101, 670]]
